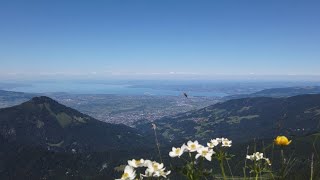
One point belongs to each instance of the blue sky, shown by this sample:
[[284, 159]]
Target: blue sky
[[158, 38]]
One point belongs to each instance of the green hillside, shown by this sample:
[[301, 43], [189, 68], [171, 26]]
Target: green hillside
[[244, 119]]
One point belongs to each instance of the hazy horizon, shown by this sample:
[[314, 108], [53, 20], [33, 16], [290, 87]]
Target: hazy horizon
[[159, 77]]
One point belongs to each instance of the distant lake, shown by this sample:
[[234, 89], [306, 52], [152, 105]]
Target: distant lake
[[99, 88]]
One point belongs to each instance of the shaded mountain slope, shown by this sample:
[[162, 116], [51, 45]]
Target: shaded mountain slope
[[30, 162], [44, 122]]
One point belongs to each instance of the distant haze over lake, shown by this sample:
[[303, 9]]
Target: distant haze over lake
[[149, 87], [99, 88]]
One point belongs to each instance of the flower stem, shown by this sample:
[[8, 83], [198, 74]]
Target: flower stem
[[282, 164], [222, 169], [245, 165], [257, 176], [157, 141], [201, 165], [311, 175]]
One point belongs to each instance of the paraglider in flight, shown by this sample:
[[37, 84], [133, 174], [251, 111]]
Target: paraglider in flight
[[185, 94]]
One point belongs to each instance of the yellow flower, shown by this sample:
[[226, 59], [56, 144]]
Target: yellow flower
[[282, 141]]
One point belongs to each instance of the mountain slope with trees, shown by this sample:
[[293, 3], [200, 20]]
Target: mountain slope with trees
[[244, 119]]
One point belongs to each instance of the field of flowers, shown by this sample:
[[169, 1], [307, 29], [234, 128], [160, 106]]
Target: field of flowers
[[212, 161]]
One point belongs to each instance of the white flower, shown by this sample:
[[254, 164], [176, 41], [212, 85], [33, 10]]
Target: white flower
[[219, 139], [226, 142], [205, 152], [154, 166], [250, 157], [136, 163], [177, 152], [156, 170], [255, 156], [258, 156], [128, 174], [162, 173], [193, 146], [213, 143], [268, 161], [147, 173], [146, 163]]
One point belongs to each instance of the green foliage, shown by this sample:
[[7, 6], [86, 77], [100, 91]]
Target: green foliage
[[63, 119]]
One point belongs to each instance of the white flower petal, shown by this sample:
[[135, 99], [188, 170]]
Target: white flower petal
[[198, 155]]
